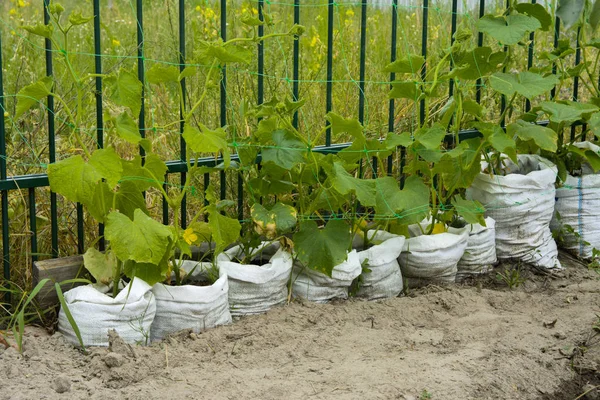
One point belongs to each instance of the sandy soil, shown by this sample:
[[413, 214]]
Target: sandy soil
[[472, 341]]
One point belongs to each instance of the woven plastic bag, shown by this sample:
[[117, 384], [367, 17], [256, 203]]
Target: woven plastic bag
[[190, 306], [480, 253], [130, 313], [255, 289], [577, 210], [522, 204]]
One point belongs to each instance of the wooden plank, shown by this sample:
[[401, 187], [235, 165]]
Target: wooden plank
[[57, 270]]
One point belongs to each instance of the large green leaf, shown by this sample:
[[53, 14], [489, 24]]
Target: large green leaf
[[404, 90], [595, 15], [322, 249], [594, 124], [31, 95], [410, 64], [160, 73], [225, 230], [147, 176], [346, 184], [127, 129], [498, 139], [271, 223], [461, 166], [127, 199], [75, 18], [207, 140], [475, 63], [544, 137], [527, 84], [471, 211], [431, 138], [125, 90], [537, 11], [340, 124], [224, 54], [100, 265], [40, 30], [569, 11], [108, 163], [592, 158], [142, 240], [410, 204], [567, 112], [73, 178], [287, 152], [508, 29]]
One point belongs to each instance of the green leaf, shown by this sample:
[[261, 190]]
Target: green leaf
[[148, 272], [340, 124], [594, 124], [508, 30], [100, 265], [288, 151], [207, 140], [537, 11], [322, 249], [569, 11], [129, 199], [545, 138], [147, 176], [476, 63], [142, 240], [187, 72], [73, 178], [271, 223], [31, 95], [125, 90], [127, 129], [77, 19], [108, 163], [430, 138], [40, 30], [404, 90], [473, 108], [595, 15], [498, 139], [344, 183], [393, 140], [225, 230], [461, 165], [160, 73], [527, 84], [592, 158], [230, 54], [410, 204], [65, 307], [251, 20], [471, 211], [410, 64], [567, 111]]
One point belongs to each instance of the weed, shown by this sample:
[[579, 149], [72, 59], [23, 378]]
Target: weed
[[425, 395], [512, 277]]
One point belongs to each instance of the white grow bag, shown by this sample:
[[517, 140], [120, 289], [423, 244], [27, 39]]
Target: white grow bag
[[480, 253], [522, 204], [432, 258], [190, 306], [320, 288], [578, 204], [130, 313], [385, 279], [254, 289]]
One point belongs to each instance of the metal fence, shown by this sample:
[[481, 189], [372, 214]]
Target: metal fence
[[178, 167]]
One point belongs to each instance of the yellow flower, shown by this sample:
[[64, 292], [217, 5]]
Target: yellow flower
[[5, 114], [116, 43], [12, 12], [21, 3], [189, 236], [313, 42], [349, 13], [254, 11], [198, 8]]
